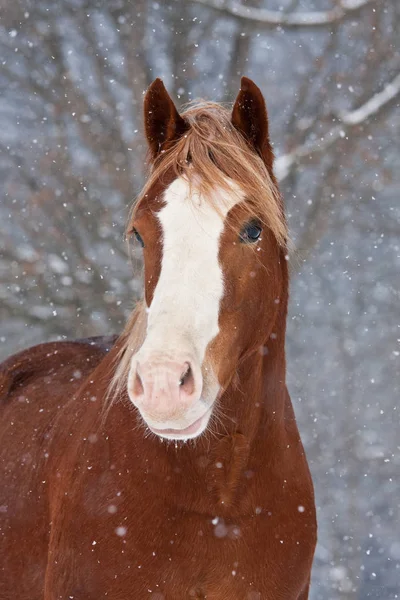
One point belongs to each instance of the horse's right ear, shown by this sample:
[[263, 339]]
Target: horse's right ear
[[162, 122], [249, 116]]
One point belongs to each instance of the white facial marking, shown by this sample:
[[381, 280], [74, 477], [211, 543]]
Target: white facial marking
[[183, 316], [186, 301]]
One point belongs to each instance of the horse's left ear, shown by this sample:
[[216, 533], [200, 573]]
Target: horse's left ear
[[163, 124], [250, 117]]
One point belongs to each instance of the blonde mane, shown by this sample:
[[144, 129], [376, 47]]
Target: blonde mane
[[213, 153]]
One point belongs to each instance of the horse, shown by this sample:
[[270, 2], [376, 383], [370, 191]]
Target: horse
[[165, 463]]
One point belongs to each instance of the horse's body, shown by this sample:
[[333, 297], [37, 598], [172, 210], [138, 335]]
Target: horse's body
[[91, 507]]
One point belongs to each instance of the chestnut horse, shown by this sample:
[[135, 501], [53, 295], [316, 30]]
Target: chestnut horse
[[167, 464]]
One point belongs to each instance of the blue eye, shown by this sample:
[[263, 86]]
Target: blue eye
[[251, 232], [138, 237]]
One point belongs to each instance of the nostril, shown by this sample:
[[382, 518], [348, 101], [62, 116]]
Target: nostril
[[138, 388], [186, 381]]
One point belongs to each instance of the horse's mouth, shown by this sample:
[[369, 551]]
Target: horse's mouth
[[192, 431]]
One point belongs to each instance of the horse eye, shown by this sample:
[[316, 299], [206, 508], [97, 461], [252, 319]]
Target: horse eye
[[138, 237], [251, 232]]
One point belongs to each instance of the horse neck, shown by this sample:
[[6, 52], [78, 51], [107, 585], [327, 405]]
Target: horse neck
[[256, 422], [260, 397]]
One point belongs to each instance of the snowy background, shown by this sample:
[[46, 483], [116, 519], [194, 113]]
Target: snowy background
[[72, 76]]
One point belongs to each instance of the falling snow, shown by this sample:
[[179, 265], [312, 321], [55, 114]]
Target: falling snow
[[73, 159]]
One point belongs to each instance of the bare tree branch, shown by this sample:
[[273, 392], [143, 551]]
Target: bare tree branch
[[274, 18], [284, 164]]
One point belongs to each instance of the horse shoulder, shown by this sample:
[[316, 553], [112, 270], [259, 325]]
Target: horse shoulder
[[72, 360], [35, 385]]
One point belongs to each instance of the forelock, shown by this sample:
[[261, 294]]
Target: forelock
[[211, 154]]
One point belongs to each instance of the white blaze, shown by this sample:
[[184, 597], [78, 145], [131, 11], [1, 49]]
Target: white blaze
[[183, 315]]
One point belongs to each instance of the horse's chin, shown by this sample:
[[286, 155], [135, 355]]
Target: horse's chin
[[182, 433]]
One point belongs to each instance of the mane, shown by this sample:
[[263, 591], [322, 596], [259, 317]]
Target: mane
[[211, 153]]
